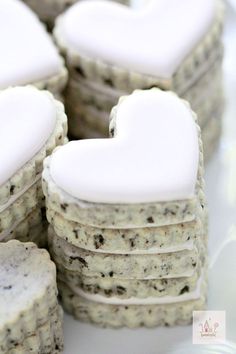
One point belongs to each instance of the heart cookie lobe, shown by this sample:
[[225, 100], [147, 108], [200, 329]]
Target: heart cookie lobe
[[29, 55], [28, 299], [149, 173]]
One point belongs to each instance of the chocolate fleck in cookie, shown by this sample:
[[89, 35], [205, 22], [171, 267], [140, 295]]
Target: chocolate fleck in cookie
[[28, 298], [172, 53], [34, 57], [32, 124]]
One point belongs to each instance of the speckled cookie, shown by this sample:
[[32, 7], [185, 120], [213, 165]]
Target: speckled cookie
[[126, 288], [48, 338], [127, 266], [131, 316], [127, 240], [28, 291]]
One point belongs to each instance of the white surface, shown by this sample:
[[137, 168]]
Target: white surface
[[27, 119], [27, 53], [221, 191], [152, 41], [146, 161]]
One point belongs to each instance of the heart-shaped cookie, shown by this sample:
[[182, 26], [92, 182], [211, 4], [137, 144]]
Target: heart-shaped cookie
[[153, 157], [28, 54], [153, 41], [27, 119]]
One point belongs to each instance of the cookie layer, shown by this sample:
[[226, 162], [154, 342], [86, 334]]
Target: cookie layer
[[173, 237], [162, 265], [130, 316], [28, 290]]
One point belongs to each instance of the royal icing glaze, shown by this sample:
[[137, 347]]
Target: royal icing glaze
[[153, 156], [27, 119], [154, 40], [27, 53]]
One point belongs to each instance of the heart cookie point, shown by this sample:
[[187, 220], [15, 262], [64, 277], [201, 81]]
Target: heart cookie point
[[152, 41], [27, 119], [154, 156], [28, 54]]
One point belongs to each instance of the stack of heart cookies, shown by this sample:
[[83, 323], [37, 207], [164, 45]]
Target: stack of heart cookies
[[30, 317], [48, 10], [128, 216], [32, 124], [112, 50], [28, 54]]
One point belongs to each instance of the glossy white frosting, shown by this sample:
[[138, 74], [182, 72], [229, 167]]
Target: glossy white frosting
[[141, 301], [27, 53], [27, 119], [154, 156], [153, 40]]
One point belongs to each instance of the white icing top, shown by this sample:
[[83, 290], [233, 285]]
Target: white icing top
[[154, 40], [27, 53], [154, 156], [27, 119]]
